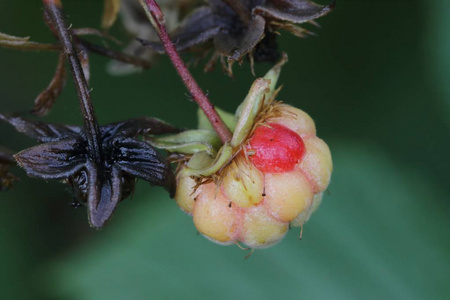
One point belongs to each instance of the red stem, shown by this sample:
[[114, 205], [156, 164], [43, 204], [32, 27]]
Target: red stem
[[157, 19]]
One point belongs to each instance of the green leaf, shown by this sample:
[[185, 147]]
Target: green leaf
[[381, 234]]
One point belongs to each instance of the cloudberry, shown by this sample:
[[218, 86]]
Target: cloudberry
[[270, 177]]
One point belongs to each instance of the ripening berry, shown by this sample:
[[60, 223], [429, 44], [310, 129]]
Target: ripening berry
[[274, 148], [317, 164], [294, 119], [243, 183], [274, 181], [213, 215], [185, 197]]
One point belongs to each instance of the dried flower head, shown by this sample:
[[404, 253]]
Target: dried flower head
[[64, 154], [240, 27]]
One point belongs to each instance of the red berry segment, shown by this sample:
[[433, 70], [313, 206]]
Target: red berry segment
[[275, 148]]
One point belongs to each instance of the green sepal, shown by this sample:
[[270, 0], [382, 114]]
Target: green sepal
[[189, 142], [273, 74], [200, 160], [260, 92], [201, 164], [249, 109], [228, 118]]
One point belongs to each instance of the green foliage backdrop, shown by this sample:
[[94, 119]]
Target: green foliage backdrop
[[376, 82]]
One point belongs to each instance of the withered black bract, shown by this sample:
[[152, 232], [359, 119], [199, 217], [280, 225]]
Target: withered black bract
[[64, 155], [6, 161], [240, 27]]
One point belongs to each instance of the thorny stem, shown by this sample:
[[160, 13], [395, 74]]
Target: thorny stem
[[157, 19], [54, 10]]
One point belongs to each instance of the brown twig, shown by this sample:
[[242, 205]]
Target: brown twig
[[156, 17]]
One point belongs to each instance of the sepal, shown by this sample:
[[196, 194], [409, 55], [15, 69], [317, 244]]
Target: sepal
[[54, 160], [189, 142]]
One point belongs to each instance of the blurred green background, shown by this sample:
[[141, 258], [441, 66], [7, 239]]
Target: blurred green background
[[376, 81]]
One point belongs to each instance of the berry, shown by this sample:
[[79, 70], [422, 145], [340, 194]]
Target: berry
[[268, 178], [273, 182]]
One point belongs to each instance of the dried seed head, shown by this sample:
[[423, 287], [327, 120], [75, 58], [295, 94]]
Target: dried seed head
[[64, 155], [236, 29]]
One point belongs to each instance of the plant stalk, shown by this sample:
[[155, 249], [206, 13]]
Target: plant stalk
[[156, 17]]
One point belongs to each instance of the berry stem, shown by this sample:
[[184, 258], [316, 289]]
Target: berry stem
[[156, 17], [54, 10]]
